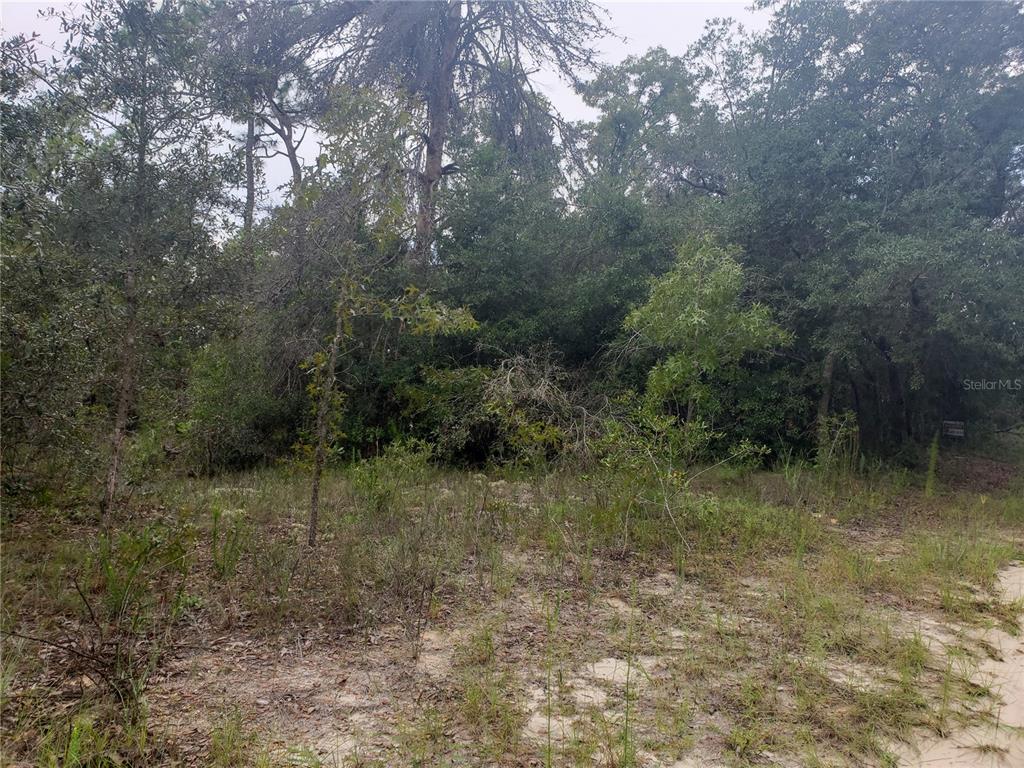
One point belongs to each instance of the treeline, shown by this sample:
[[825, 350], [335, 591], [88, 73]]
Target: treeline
[[794, 240]]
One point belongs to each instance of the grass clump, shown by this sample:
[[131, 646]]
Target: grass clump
[[232, 745], [489, 699]]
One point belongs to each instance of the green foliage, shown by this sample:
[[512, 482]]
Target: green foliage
[[846, 182], [426, 317], [132, 564], [125, 595], [639, 438], [449, 405], [695, 320], [415, 565], [838, 444], [82, 743], [227, 541], [233, 419], [491, 711], [521, 412], [232, 745], [377, 482]]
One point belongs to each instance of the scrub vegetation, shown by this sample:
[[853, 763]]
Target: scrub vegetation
[[685, 435]]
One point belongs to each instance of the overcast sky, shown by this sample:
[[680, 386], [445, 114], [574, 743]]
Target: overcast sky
[[671, 24]]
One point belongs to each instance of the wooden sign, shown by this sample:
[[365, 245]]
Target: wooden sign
[[952, 429]]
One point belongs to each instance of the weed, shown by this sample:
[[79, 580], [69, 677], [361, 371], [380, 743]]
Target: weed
[[229, 745], [227, 541], [423, 740], [490, 702], [551, 617], [491, 709], [933, 465], [630, 693]]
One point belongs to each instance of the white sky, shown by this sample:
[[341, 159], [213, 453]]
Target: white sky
[[640, 25]]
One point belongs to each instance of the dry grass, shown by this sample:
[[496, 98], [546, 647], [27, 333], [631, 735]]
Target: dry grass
[[559, 618]]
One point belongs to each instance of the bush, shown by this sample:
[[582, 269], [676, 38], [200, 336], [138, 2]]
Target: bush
[[524, 411], [377, 483], [234, 420]]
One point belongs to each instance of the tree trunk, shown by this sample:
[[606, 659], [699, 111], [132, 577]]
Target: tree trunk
[[897, 406], [293, 160], [428, 181], [863, 431], [285, 130], [126, 385], [322, 417], [250, 176], [439, 107], [125, 389]]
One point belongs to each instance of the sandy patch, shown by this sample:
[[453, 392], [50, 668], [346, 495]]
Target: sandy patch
[[619, 671], [543, 722], [662, 584], [435, 654], [318, 699], [999, 743], [617, 605], [861, 677]]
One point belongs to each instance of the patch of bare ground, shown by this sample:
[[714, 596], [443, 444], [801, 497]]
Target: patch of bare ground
[[637, 667], [580, 680], [977, 473], [999, 740], [325, 695]]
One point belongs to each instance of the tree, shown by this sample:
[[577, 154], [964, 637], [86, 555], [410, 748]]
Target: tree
[[363, 151], [259, 58], [864, 159], [137, 210], [696, 320], [651, 136], [52, 321], [452, 55], [871, 163]]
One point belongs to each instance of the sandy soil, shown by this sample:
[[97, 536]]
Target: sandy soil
[[341, 696], [1000, 743]]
